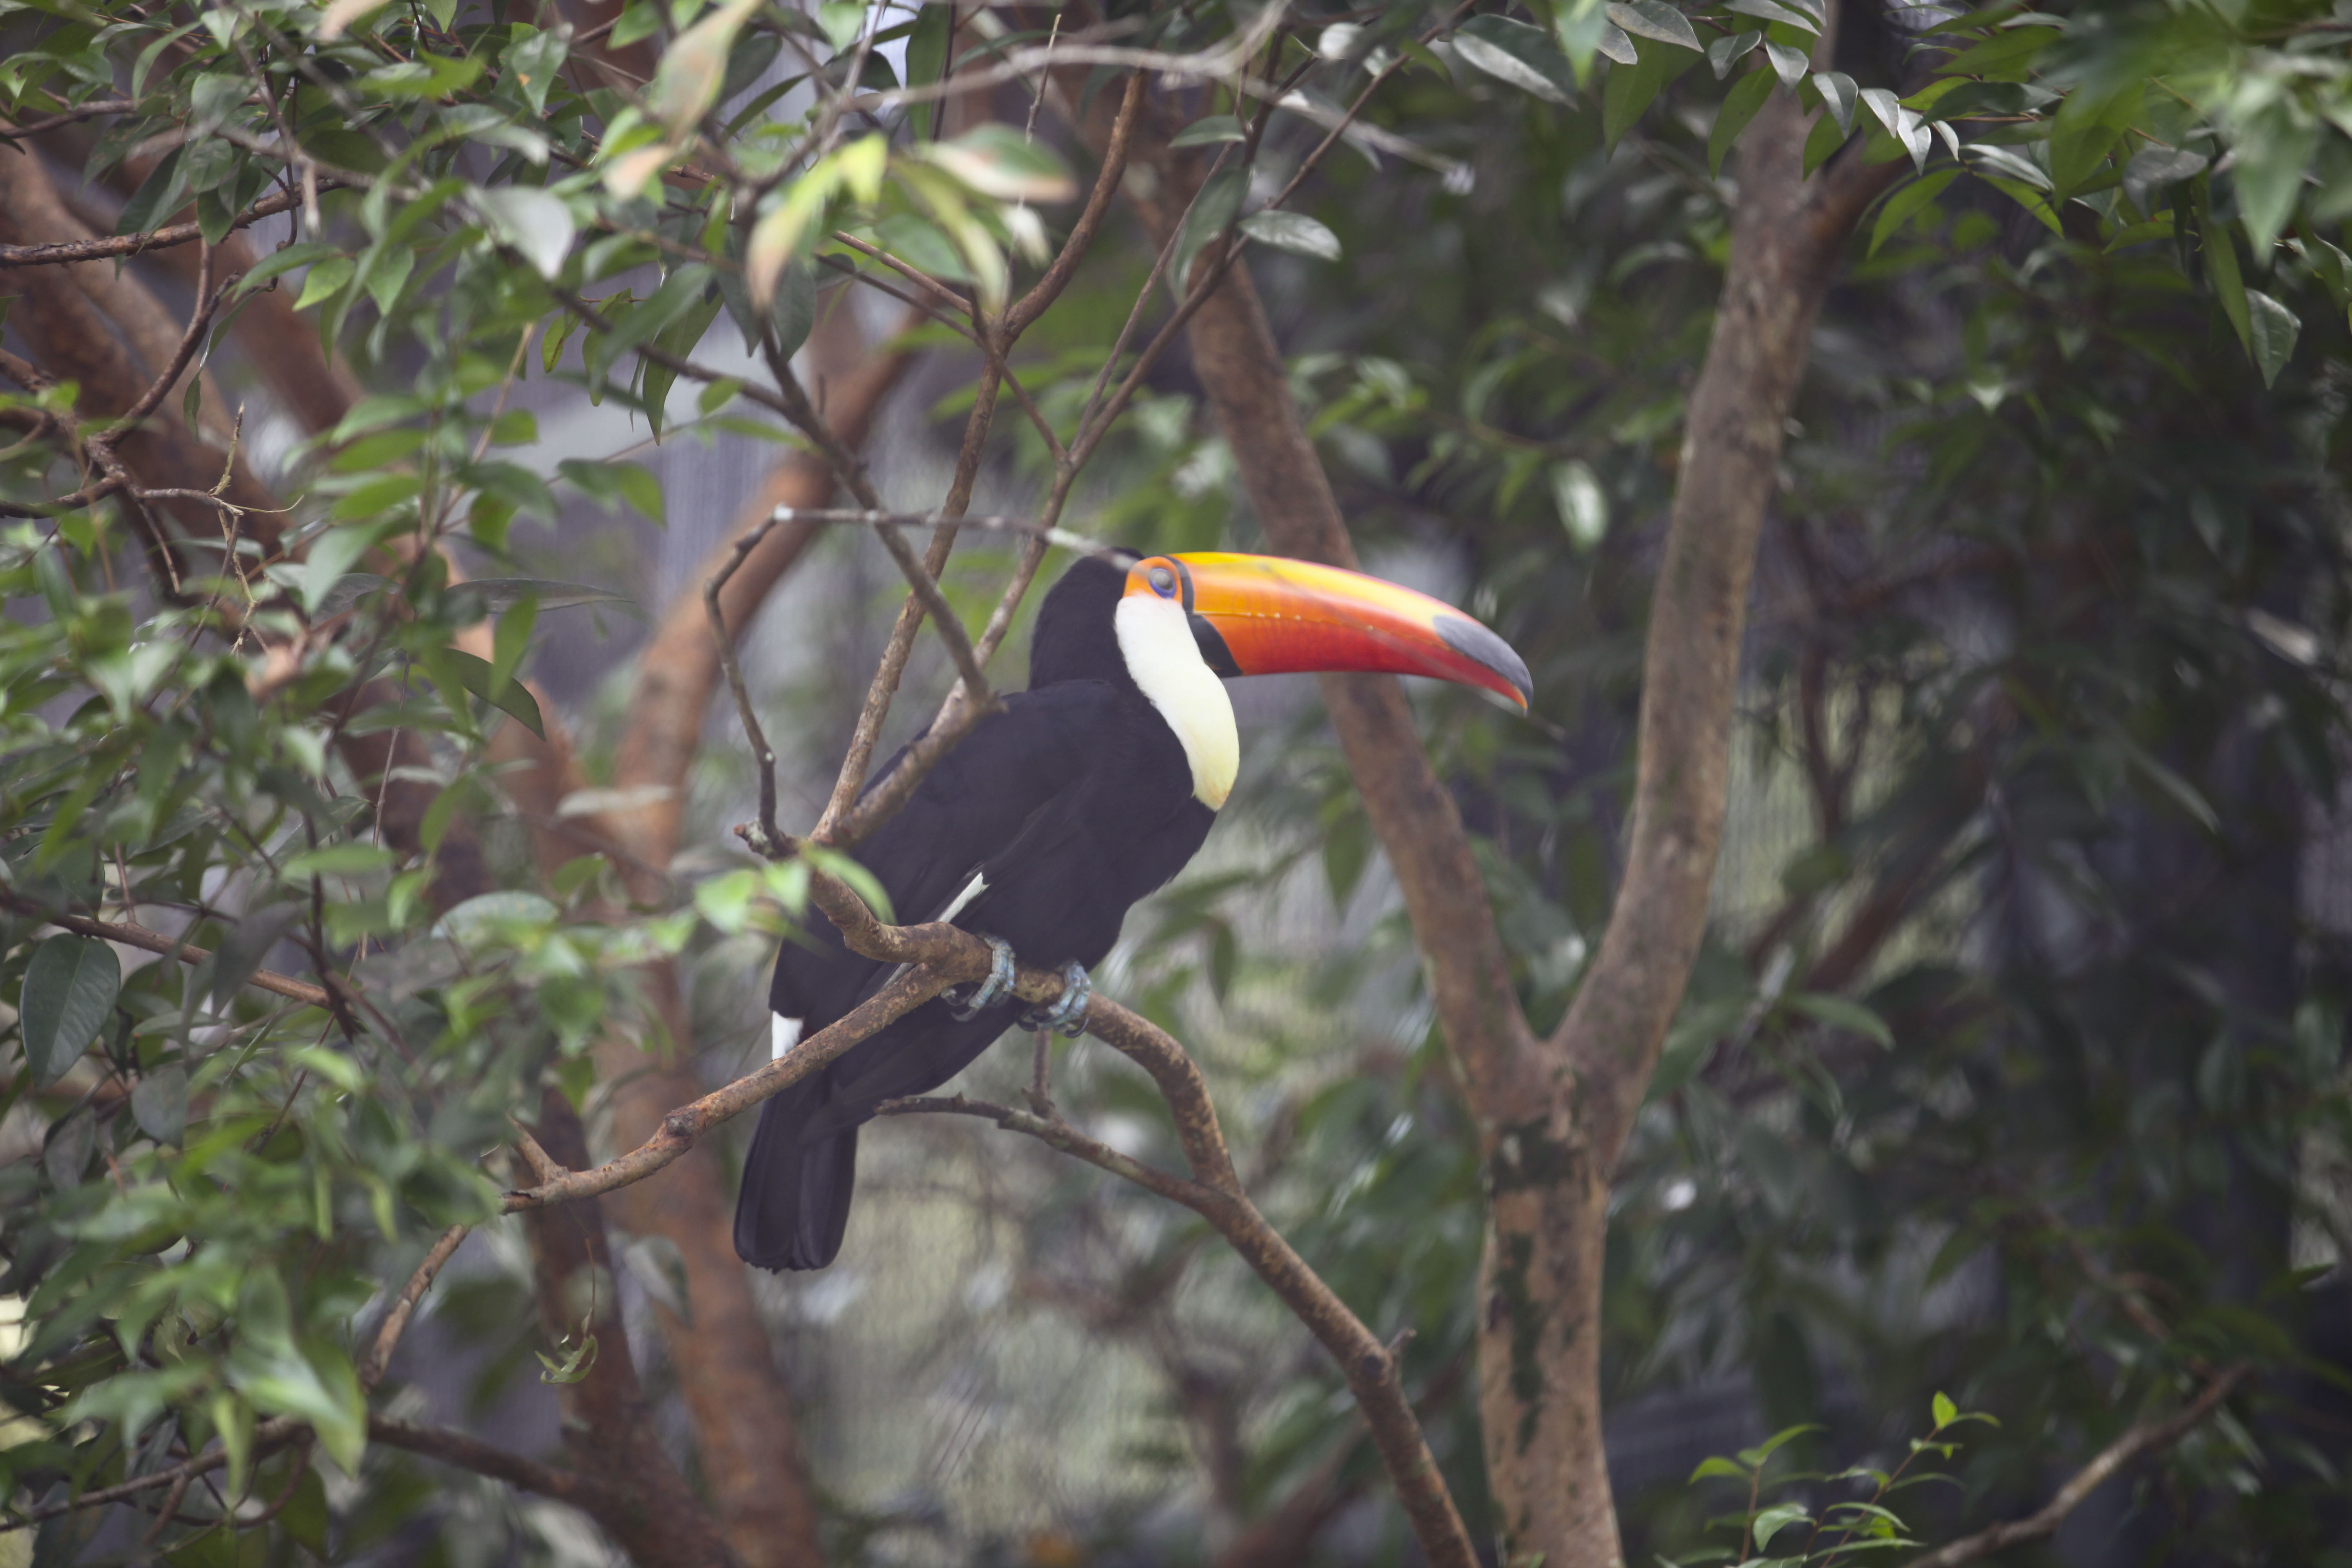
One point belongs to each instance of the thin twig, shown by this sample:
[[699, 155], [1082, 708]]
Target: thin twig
[[58, 252], [2141, 1438], [170, 947], [395, 1320], [79, 112]]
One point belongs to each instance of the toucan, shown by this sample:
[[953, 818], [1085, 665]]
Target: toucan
[[1054, 816]]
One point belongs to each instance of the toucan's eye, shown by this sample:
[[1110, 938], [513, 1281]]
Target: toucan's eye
[[1163, 582]]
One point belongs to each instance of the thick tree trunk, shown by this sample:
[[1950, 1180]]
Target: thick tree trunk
[[1539, 1333], [1553, 1114]]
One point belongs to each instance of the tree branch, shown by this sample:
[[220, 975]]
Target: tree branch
[[52, 254], [138, 936], [395, 1318], [2142, 1437], [470, 1453]]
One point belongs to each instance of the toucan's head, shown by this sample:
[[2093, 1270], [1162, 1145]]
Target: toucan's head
[[1262, 615], [1172, 625]]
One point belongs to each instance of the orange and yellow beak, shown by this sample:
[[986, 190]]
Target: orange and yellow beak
[[1262, 615]]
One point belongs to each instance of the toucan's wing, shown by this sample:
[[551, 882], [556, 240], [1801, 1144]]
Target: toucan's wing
[[965, 813]]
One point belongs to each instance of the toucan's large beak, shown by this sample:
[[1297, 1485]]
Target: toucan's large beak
[[1262, 615]]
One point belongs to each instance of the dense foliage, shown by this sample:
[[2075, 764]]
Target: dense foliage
[[2015, 1067]]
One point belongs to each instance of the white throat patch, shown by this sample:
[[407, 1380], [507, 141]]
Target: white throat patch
[[1156, 639]]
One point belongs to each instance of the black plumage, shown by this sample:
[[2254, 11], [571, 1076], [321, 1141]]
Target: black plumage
[[1074, 802]]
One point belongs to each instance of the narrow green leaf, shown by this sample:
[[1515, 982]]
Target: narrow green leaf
[[1825, 138], [1844, 1012], [1212, 210], [926, 62], [1208, 132], [1899, 208], [1514, 52], [1773, 11], [1739, 106], [2220, 253], [1293, 232], [1837, 91], [509, 695]]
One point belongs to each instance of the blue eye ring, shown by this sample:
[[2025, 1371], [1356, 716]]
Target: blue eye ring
[[1163, 582]]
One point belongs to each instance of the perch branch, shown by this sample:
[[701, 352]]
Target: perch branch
[[2142, 1437]]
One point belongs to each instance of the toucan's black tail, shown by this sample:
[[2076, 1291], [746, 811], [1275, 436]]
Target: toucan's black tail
[[794, 1204]]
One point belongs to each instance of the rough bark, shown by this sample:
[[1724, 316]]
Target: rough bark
[[638, 1495], [73, 339], [1549, 1176], [750, 1445], [1553, 1114]]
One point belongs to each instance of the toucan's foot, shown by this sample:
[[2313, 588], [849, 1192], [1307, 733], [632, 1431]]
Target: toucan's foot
[[1069, 1013], [966, 1000]]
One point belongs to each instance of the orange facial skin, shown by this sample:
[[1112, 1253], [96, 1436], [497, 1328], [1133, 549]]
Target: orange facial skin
[[1269, 614]]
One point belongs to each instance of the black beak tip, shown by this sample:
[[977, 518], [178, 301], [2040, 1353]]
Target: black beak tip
[[1471, 640]]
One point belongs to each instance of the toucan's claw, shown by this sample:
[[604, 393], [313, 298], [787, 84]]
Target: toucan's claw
[[965, 1002], [1067, 1015]]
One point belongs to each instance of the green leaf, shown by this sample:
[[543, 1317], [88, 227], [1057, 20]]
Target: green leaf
[[533, 61], [1773, 1521], [499, 595], [246, 945], [1628, 92], [536, 222], [2031, 198], [1293, 232], [509, 695], [1945, 1410], [1209, 131], [2274, 328], [685, 84], [1837, 91], [66, 1154], [2271, 153], [1822, 141], [158, 1104], [997, 161], [1773, 11], [158, 195], [1653, 20], [1899, 208], [1769, 1446], [794, 313], [325, 280], [1844, 1012], [68, 991], [336, 552], [1739, 106], [1513, 52], [926, 62], [1716, 1466], [1789, 64], [1214, 208], [2219, 253], [1729, 49]]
